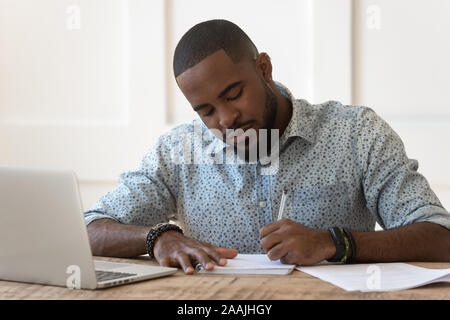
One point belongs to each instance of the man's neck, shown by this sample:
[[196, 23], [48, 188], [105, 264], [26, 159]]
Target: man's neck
[[284, 110]]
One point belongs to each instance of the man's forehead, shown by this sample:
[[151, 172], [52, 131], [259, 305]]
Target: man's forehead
[[209, 75]]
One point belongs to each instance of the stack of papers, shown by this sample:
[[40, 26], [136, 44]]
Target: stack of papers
[[250, 264], [377, 276], [350, 277]]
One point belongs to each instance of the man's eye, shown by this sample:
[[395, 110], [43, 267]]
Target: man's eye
[[208, 113], [236, 96]]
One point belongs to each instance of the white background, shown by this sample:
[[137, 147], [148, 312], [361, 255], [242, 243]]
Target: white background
[[87, 85]]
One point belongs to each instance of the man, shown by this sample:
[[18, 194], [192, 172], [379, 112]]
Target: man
[[343, 169]]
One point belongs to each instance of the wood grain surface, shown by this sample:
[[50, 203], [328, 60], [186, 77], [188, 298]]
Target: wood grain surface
[[295, 286]]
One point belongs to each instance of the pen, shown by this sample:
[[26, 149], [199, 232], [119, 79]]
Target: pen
[[282, 203]]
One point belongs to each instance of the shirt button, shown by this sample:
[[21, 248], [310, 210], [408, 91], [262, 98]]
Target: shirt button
[[262, 204]]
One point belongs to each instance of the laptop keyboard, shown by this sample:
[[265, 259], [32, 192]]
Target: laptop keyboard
[[109, 275]]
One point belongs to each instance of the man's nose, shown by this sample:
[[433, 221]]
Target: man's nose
[[228, 117]]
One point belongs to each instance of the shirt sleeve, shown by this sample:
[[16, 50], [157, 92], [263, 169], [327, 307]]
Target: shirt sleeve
[[146, 196], [396, 194]]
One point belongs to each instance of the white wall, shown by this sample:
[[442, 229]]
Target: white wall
[[82, 85], [88, 85], [283, 29], [401, 69]]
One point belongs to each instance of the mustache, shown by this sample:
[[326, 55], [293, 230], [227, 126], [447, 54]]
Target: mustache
[[236, 127]]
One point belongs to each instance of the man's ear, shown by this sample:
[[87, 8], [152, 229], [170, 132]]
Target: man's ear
[[264, 66]]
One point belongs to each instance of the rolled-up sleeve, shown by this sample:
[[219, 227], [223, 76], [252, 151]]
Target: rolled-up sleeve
[[146, 196], [396, 193]]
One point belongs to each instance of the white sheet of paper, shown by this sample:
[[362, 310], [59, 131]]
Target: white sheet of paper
[[250, 264], [377, 276]]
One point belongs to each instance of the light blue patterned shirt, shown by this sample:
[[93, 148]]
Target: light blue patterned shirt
[[342, 166]]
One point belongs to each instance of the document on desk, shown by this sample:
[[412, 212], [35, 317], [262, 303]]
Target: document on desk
[[377, 276], [250, 264]]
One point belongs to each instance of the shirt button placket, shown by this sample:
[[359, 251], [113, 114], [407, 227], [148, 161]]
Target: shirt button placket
[[264, 195]]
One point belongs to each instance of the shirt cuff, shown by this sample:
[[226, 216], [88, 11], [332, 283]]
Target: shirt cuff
[[430, 213], [91, 216]]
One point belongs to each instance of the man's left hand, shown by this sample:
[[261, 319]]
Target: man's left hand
[[294, 243]]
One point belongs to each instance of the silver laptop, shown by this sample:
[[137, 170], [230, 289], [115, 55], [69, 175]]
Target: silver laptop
[[43, 236]]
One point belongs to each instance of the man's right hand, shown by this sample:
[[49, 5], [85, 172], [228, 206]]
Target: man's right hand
[[172, 249]]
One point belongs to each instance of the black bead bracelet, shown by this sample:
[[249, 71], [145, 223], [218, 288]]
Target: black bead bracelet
[[155, 232]]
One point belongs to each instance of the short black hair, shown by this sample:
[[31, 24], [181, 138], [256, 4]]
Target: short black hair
[[208, 37]]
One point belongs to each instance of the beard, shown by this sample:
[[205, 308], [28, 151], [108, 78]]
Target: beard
[[246, 151], [270, 108]]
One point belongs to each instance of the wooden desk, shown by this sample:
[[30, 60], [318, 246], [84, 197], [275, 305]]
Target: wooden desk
[[297, 285]]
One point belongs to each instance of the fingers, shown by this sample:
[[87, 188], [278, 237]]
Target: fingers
[[226, 252], [216, 256], [287, 259], [189, 257], [277, 252], [203, 258], [167, 262], [271, 227], [185, 263], [189, 252], [271, 240], [220, 254], [181, 260]]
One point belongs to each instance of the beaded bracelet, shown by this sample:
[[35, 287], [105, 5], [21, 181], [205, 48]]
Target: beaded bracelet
[[342, 243], [155, 232], [339, 242], [346, 241], [352, 246]]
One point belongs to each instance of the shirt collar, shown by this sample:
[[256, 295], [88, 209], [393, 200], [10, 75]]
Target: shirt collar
[[301, 123], [302, 120]]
